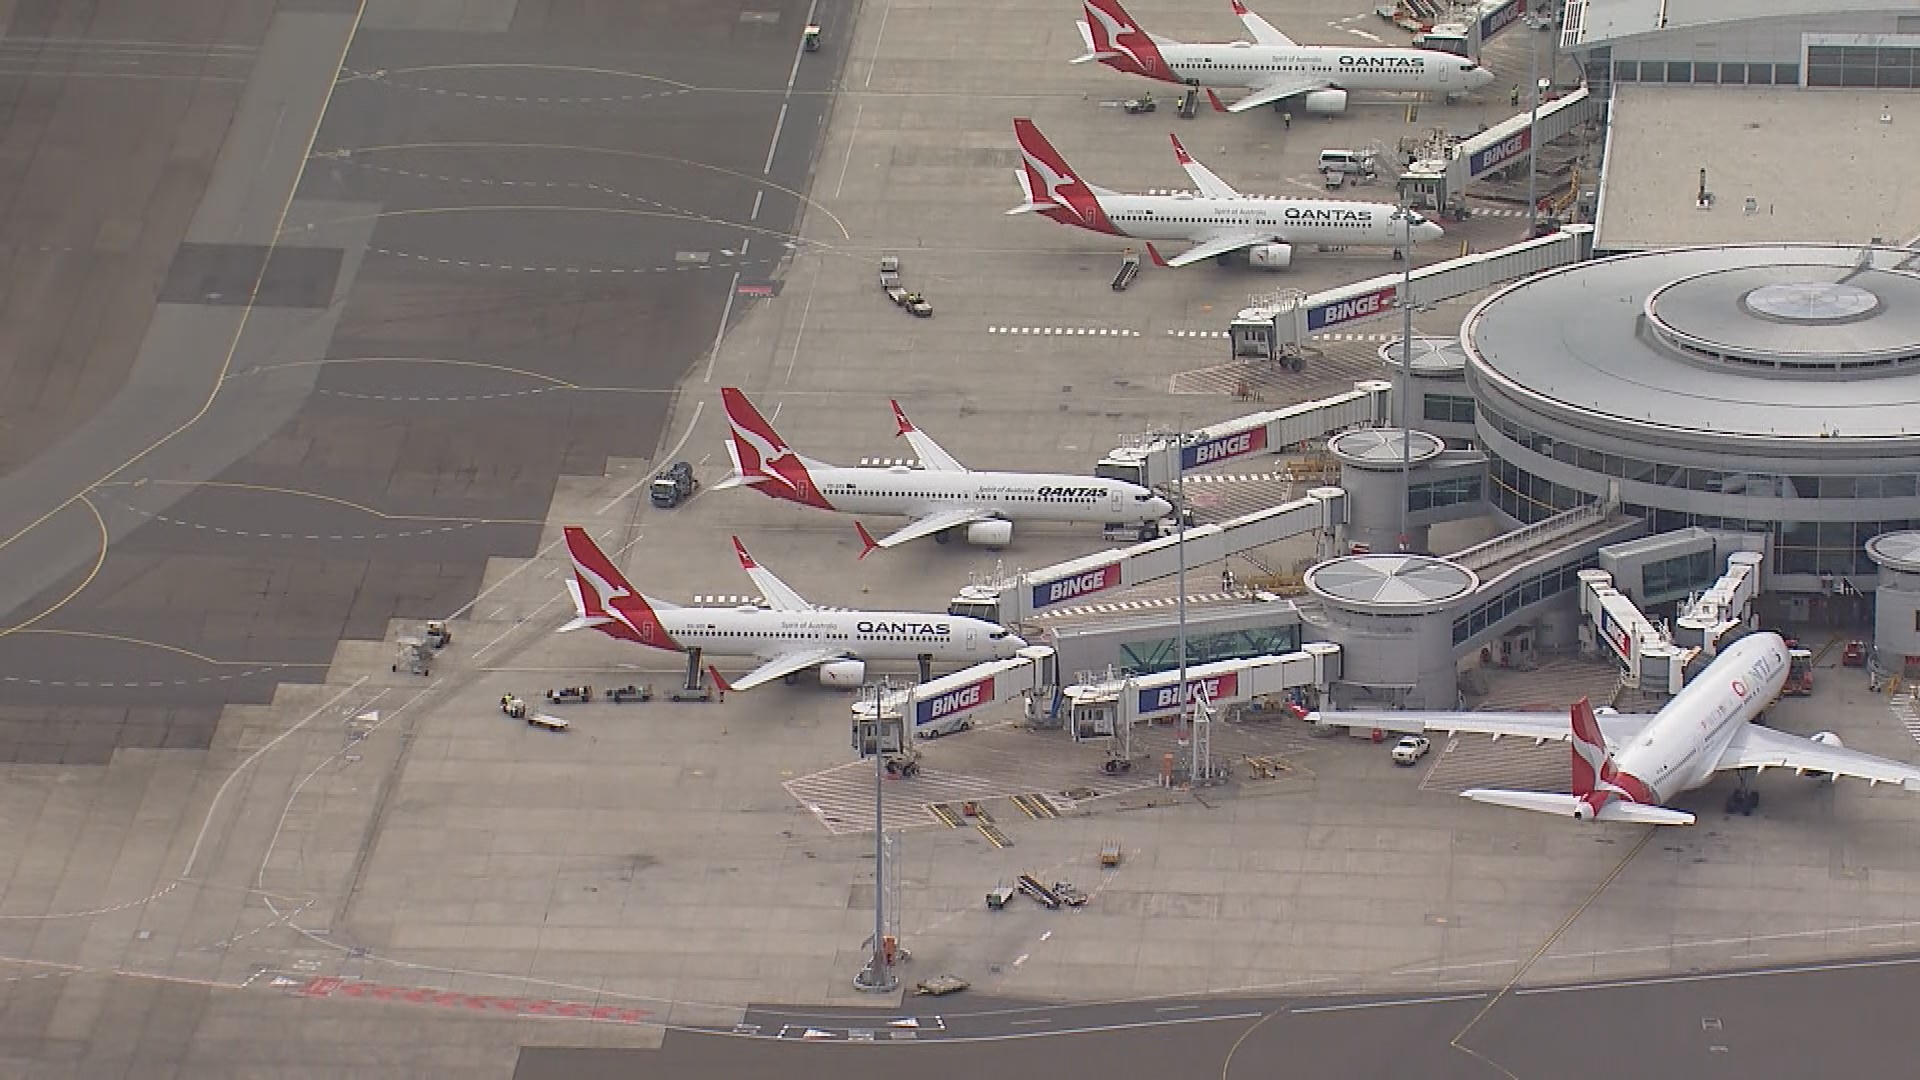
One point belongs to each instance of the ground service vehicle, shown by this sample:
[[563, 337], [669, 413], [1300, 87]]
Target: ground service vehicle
[[1410, 749], [674, 486], [1855, 655]]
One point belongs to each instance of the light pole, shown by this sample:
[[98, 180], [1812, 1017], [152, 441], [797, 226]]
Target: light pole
[[878, 976], [1404, 393], [1183, 733], [1533, 126]]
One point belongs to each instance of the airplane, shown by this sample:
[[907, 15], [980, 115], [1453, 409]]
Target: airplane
[[789, 634], [1273, 66], [1626, 766], [1219, 221], [942, 496]]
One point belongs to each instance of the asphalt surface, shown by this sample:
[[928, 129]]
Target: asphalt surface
[[505, 251], [1840, 1019]]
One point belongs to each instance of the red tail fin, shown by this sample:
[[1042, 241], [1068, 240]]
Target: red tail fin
[[1596, 779], [604, 600], [1051, 184], [1122, 45], [1180, 152], [900, 419], [763, 457], [867, 544]]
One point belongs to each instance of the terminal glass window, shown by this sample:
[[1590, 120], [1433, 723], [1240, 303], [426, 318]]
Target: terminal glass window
[[1867, 66], [1448, 408], [1439, 493], [1671, 579], [1541, 586], [1733, 74], [1760, 74], [1626, 71], [1706, 71], [1679, 71], [1786, 74], [1163, 654]]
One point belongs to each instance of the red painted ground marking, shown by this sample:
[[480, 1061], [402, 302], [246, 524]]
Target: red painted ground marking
[[330, 986]]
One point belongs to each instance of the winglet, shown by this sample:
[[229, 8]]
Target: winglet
[[1240, 9], [719, 680], [868, 544], [1215, 98], [1179, 151], [900, 419], [746, 560], [1154, 253]]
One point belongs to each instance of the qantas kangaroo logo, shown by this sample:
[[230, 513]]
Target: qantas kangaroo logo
[[1070, 201], [1596, 780], [1056, 184], [1112, 31], [601, 592], [764, 455]]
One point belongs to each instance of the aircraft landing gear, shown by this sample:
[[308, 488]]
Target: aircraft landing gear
[[1742, 800], [926, 667]]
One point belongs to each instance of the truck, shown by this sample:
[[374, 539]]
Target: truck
[[674, 485], [1799, 673]]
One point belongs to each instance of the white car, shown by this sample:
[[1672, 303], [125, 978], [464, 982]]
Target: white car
[[1410, 749]]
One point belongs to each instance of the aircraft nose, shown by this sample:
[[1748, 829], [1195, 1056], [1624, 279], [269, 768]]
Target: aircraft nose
[[1160, 507], [1015, 643], [1481, 77], [1427, 231]]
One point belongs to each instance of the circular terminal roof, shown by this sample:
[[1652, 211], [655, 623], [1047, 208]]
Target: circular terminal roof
[[1432, 356], [1777, 343], [1380, 448], [1391, 584], [1896, 551], [1796, 319]]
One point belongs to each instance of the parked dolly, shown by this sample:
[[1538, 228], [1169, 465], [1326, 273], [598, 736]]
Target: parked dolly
[[997, 899], [570, 695], [941, 985], [629, 692]]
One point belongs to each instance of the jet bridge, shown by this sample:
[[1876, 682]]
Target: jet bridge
[[1160, 462], [1109, 708], [954, 702], [1018, 600], [1437, 182], [1269, 333], [1651, 660]]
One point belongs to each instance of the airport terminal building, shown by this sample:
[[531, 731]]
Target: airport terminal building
[[1765, 389]]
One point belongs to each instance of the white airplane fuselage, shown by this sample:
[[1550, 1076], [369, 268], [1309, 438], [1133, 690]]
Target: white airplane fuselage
[[1240, 64], [1014, 496], [1678, 750], [864, 635], [1291, 221]]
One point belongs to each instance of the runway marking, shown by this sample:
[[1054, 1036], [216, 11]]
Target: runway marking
[[555, 185], [200, 838], [1704, 943], [329, 986], [1067, 331], [493, 148], [384, 78], [853, 136], [99, 560], [1717, 976], [713, 355], [338, 537], [481, 265], [880, 35], [774, 147], [253, 667], [1356, 1005]]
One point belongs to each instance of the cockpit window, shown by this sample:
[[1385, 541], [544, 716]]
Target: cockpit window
[[997, 637], [1469, 67], [1417, 219], [1142, 498]]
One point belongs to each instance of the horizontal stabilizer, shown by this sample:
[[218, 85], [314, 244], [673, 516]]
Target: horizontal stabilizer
[[1546, 802]]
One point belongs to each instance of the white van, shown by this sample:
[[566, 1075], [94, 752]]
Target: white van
[[1347, 162]]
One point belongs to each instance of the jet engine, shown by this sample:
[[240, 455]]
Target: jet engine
[[1824, 738], [1326, 102], [1270, 256], [990, 534], [843, 674], [1582, 810]]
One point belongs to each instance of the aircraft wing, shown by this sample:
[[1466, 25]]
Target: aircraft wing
[[1277, 90], [779, 595], [1204, 178], [1619, 729], [931, 455], [933, 523], [1219, 244], [782, 666], [1264, 32], [1757, 747]]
